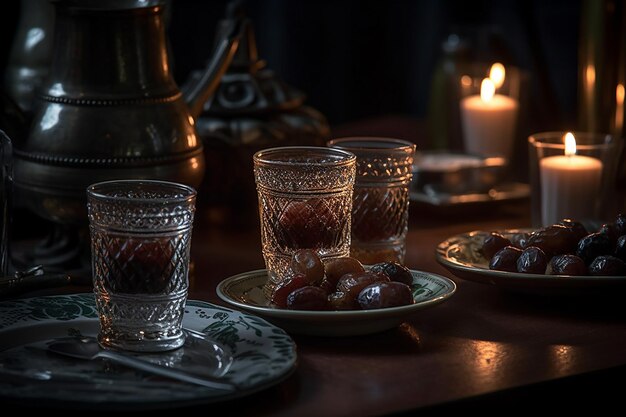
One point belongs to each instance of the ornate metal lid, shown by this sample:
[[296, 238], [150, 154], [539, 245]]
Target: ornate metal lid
[[248, 86]]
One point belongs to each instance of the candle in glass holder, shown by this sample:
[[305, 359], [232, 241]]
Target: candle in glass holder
[[570, 184], [489, 121]]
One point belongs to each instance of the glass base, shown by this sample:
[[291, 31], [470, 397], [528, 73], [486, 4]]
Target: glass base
[[141, 323], [142, 345], [373, 253]]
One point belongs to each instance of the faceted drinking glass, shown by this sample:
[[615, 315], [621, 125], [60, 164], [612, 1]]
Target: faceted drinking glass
[[305, 201], [380, 207], [140, 243]]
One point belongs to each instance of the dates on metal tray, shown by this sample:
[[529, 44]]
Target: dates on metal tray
[[554, 240], [565, 248]]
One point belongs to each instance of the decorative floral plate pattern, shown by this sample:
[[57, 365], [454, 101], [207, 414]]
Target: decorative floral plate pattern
[[263, 355], [245, 291], [461, 255]]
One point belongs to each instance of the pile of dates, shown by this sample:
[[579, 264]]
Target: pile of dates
[[341, 284], [564, 248]]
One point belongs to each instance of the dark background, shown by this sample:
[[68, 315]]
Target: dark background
[[357, 59]]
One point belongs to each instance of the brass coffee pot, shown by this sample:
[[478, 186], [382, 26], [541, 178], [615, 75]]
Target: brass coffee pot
[[110, 108]]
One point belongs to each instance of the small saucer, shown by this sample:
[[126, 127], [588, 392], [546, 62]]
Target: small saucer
[[245, 291]]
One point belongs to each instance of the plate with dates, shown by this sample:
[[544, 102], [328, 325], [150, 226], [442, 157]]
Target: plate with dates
[[245, 292], [262, 353], [461, 255]]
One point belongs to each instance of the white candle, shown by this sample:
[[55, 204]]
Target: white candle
[[489, 122], [570, 185]]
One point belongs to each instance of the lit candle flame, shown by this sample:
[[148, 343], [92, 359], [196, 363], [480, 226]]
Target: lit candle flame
[[496, 73], [570, 144], [487, 90]]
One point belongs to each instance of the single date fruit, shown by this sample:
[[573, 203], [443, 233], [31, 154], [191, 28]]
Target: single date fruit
[[607, 265], [577, 228], [385, 294], [307, 298], [286, 287], [493, 243], [610, 231], [338, 267], [351, 284], [566, 265], [620, 248], [505, 259], [340, 301], [532, 260], [308, 262], [519, 239], [554, 240], [620, 224], [394, 271], [592, 246]]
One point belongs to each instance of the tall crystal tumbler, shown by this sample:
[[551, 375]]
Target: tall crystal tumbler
[[305, 202], [140, 243], [380, 207]]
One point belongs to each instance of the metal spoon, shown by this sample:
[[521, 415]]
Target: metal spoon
[[88, 348]]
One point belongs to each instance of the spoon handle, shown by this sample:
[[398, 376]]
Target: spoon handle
[[165, 371]]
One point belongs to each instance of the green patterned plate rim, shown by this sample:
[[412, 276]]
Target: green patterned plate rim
[[263, 356], [245, 291], [461, 255]]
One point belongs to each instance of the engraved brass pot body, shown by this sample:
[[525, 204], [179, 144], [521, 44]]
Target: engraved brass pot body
[[109, 109]]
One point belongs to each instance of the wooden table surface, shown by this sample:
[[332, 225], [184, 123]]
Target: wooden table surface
[[482, 349]]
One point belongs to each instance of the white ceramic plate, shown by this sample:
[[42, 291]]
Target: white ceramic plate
[[263, 355], [461, 255], [245, 292]]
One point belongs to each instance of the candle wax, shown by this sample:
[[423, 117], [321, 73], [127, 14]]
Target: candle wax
[[489, 126], [570, 186]]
